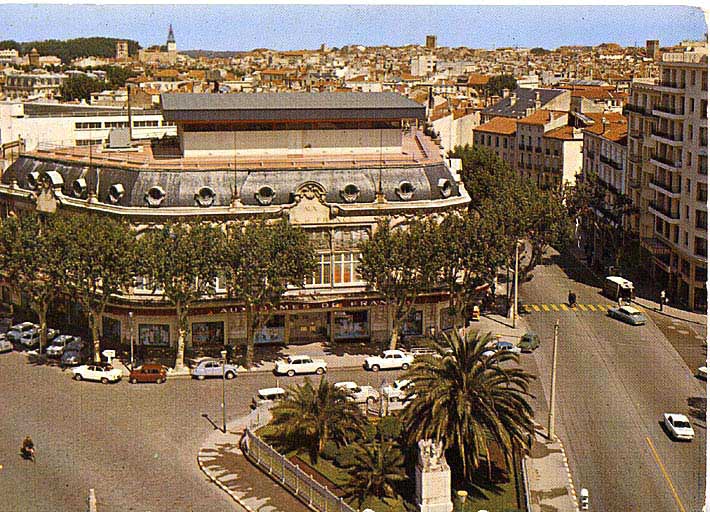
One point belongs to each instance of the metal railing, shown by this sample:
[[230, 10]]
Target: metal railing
[[291, 477], [526, 485]]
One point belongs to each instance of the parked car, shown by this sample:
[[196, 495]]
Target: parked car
[[300, 364], [702, 372], [398, 391], [59, 344], [76, 344], [627, 314], [359, 394], [507, 346], [30, 339], [74, 353], [213, 368], [389, 360], [16, 331], [103, 373], [678, 426], [267, 397], [5, 344], [529, 342], [148, 372]]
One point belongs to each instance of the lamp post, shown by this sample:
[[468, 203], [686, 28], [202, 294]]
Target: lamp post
[[515, 284], [553, 380], [223, 353], [130, 326]]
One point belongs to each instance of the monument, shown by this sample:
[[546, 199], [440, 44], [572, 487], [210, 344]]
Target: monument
[[433, 478]]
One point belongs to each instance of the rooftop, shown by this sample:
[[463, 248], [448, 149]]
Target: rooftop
[[499, 125], [542, 117]]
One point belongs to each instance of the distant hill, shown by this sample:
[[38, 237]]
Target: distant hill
[[72, 48]]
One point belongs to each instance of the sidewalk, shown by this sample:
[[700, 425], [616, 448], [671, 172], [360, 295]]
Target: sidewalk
[[222, 461]]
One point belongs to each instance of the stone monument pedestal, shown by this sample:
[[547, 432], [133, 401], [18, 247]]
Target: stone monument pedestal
[[433, 478]]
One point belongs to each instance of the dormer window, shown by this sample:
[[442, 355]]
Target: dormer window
[[350, 193], [205, 196], [115, 193], [265, 195], [155, 196], [445, 187], [53, 179], [405, 190], [79, 188], [33, 180]]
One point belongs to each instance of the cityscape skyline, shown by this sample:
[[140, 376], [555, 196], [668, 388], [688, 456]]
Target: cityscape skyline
[[281, 27]]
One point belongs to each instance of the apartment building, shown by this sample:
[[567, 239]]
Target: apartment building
[[27, 85], [674, 173]]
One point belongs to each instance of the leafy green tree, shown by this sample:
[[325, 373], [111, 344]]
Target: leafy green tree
[[309, 416], [467, 401], [98, 260], [539, 51], [80, 87], [497, 83], [29, 261], [397, 264], [262, 261], [377, 467], [70, 49], [182, 261]]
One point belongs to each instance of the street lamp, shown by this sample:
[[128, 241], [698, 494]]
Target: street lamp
[[553, 380], [130, 326], [515, 285], [223, 353]]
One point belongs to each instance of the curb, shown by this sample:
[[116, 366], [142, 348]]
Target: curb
[[565, 461], [219, 484]]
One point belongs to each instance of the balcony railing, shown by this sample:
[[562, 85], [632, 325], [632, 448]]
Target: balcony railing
[[670, 110], [668, 212], [672, 85], [669, 163], [630, 107], [609, 161], [669, 136], [666, 186]]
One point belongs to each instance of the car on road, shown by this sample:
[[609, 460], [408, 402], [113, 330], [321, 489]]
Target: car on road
[[74, 353], [488, 353], [678, 426], [16, 331], [103, 373], [359, 394], [59, 344], [30, 339], [702, 372], [148, 372], [506, 346], [529, 342], [267, 397], [5, 344], [213, 368], [398, 391], [300, 364], [627, 314], [389, 360]]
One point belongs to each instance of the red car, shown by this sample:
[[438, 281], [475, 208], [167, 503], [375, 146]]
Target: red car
[[149, 372]]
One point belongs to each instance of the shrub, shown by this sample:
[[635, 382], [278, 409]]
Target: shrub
[[330, 450], [390, 427], [346, 456]]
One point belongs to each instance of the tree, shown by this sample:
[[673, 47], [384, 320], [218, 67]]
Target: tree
[[467, 401], [539, 51], [309, 416], [396, 263], [29, 260], [376, 469], [182, 261], [262, 261], [497, 83], [80, 87], [98, 259]]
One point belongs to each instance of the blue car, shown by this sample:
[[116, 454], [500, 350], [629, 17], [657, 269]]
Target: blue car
[[213, 368]]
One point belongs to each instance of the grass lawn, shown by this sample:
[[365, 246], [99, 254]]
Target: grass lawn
[[499, 498], [326, 468]]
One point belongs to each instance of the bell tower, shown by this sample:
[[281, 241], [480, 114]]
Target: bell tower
[[171, 45]]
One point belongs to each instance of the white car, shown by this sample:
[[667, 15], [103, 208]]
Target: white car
[[58, 344], [101, 373], [397, 391], [359, 394], [300, 364], [16, 331], [678, 426], [389, 360], [5, 344], [507, 346], [267, 397]]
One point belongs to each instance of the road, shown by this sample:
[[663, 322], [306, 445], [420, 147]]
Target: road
[[614, 382], [136, 445]]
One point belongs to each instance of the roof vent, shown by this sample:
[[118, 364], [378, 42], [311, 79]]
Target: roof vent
[[205, 196], [33, 180], [115, 193], [79, 188], [265, 195], [155, 196], [445, 187], [350, 193], [405, 190]]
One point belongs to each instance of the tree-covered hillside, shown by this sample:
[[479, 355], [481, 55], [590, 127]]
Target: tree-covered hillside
[[72, 48]]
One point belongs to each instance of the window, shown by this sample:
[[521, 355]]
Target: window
[[701, 219], [89, 142], [154, 334], [322, 274], [207, 333], [414, 324], [111, 329], [141, 124], [505, 143], [116, 124], [351, 324], [702, 192], [701, 247], [685, 238], [345, 268], [87, 126], [273, 332]]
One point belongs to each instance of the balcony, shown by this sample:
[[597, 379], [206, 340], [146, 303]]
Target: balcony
[[675, 140], [665, 188], [635, 159], [629, 107], [635, 182], [665, 163], [669, 215], [671, 87], [609, 161], [676, 114]]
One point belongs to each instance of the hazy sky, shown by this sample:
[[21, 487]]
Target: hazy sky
[[244, 27]]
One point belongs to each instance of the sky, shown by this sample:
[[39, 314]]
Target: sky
[[283, 27]]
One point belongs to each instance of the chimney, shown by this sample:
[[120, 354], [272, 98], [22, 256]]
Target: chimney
[[538, 103], [506, 93], [513, 99], [605, 123]]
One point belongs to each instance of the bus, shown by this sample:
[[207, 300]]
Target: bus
[[616, 288]]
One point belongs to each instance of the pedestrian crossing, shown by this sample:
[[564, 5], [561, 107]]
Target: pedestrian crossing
[[562, 308]]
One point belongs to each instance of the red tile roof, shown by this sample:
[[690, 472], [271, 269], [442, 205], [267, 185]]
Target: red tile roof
[[499, 125]]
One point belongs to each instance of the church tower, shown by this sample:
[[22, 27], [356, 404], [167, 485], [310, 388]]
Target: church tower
[[172, 46]]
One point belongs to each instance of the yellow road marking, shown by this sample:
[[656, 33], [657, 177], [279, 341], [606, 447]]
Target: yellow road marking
[[554, 307], [603, 307], [581, 306], [535, 307], [564, 307], [665, 475], [591, 307], [545, 308]]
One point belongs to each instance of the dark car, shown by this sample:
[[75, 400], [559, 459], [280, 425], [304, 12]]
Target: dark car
[[148, 372], [529, 342], [75, 353]]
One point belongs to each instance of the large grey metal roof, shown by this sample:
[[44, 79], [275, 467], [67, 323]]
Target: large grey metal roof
[[524, 99], [275, 106]]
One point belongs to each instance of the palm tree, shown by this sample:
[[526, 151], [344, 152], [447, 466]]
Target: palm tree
[[377, 467], [467, 400], [309, 416]]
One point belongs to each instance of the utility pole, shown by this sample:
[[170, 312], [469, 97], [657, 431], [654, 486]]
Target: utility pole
[[515, 284], [223, 353], [551, 418]]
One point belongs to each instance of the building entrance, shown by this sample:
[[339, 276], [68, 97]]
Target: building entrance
[[308, 327]]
